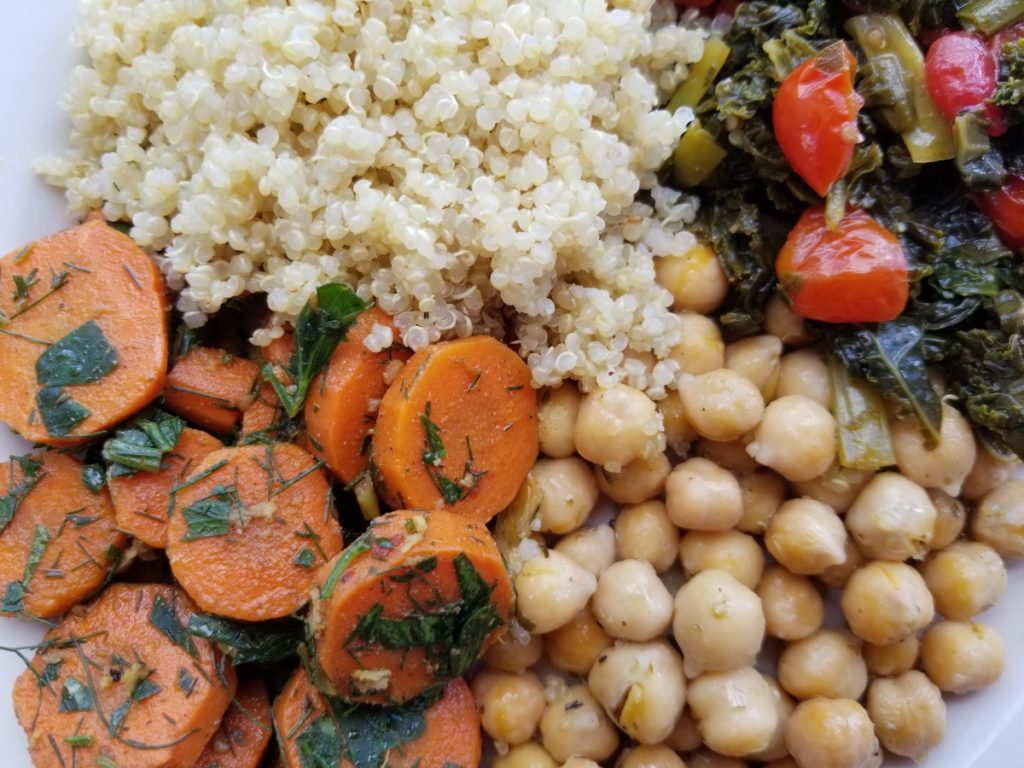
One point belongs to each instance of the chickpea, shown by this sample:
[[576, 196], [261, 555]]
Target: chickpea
[[644, 532], [832, 733], [884, 602], [556, 420], [721, 404], [528, 755], [736, 553], [828, 663], [838, 487], [806, 537], [678, 432], [568, 493], [988, 473], [551, 589], [701, 349], [575, 725], [695, 279], [943, 466], [642, 687], [728, 454], [718, 624], [510, 705], [950, 518], [962, 656], [616, 425], [793, 607], [796, 437], [908, 712], [762, 491], [757, 358], [651, 756], [685, 736], [780, 320], [965, 579], [705, 758], [893, 658], [736, 711], [892, 518], [784, 706], [631, 602], [638, 481], [575, 646], [514, 651], [591, 548], [999, 519], [702, 496], [836, 576], [804, 372]]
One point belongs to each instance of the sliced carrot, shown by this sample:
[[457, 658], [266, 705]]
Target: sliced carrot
[[211, 388], [445, 733], [83, 334], [265, 420], [457, 430], [342, 404], [412, 603], [244, 732], [249, 526], [122, 683], [141, 501], [58, 538], [278, 351]]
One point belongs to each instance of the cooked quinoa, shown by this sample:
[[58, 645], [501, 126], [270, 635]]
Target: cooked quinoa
[[471, 165]]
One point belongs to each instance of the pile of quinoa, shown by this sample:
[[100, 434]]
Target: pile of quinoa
[[470, 165]]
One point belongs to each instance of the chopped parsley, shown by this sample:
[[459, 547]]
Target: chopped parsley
[[81, 357]]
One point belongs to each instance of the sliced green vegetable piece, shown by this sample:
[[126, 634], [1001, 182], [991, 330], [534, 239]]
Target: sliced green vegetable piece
[[142, 444], [989, 16], [881, 34], [980, 164], [696, 156], [701, 75], [864, 439]]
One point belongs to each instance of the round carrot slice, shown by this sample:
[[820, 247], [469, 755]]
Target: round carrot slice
[[249, 526], [211, 388], [142, 501], [83, 334], [58, 538], [457, 430], [410, 604], [343, 400], [244, 732], [122, 683], [419, 734]]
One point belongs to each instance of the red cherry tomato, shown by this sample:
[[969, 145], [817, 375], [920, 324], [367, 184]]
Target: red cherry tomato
[[856, 273], [960, 72], [815, 117], [1006, 210]]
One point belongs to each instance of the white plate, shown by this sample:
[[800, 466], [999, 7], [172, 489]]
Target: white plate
[[35, 57]]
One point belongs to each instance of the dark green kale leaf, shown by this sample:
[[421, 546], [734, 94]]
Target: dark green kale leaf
[[1009, 92], [249, 643]]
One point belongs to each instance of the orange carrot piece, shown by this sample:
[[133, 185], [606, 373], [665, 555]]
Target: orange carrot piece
[[211, 388], [435, 581], [122, 681], [249, 526], [342, 404], [279, 351], [141, 501], [95, 288], [265, 416], [457, 430], [450, 728], [244, 732], [62, 535]]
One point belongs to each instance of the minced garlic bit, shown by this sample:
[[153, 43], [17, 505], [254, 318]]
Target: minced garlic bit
[[450, 159], [371, 680]]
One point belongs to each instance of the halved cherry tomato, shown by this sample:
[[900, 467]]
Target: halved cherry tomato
[[815, 117], [1006, 210], [856, 273], [960, 71]]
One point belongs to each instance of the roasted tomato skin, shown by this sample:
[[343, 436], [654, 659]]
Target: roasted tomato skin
[[960, 71], [815, 117], [856, 273], [1006, 210]]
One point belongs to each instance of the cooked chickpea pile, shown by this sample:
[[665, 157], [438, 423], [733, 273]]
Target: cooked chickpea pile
[[648, 622]]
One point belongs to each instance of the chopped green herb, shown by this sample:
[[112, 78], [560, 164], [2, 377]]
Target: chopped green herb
[[14, 598], [142, 444], [79, 741], [165, 620], [249, 643], [211, 516], [305, 558], [186, 682], [75, 696], [80, 521], [359, 547], [104, 762], [93, 477], [435, 453], [142, 691], [81, 357], [60, 414], [35, 553], [23, 284], [17, 491]]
